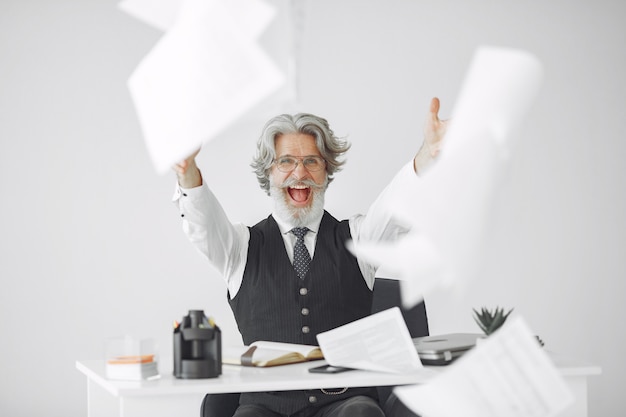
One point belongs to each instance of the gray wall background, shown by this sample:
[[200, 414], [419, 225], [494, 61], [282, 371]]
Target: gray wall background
[[92, 248]]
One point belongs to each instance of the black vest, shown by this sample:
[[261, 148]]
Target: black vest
[[273, 303]]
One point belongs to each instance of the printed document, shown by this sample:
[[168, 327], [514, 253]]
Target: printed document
[[507, 374], [380, 342], [252, 16], [448, 208], [203, 74]]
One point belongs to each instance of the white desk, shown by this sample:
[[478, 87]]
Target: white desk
[[169, 396]]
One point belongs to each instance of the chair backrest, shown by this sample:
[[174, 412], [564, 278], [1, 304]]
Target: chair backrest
[[386, 295]]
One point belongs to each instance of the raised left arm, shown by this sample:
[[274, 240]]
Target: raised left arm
[[434, 132]]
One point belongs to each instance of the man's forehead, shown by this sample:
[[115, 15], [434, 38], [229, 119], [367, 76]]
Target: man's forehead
[[296, 144]]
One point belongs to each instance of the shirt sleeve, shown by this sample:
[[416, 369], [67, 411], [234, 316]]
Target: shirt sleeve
[[210, 231], [378, 224]]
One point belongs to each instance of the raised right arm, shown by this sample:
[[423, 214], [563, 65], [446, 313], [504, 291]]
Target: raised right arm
[[207, 226]]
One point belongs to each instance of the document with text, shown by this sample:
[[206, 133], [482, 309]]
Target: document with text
[[380, 342], [204, 74], [252, 16], [507, 374], [448, 209]]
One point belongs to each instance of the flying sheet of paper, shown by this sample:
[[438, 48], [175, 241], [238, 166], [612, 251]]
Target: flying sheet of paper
[[202, 75], [160, 14], [447, 208], [507, 374], [252, 16], [380, 342]]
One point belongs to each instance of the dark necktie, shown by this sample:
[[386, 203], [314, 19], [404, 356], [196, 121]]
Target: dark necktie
[[301, 256]]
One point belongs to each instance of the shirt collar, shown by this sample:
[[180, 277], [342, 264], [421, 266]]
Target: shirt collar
[[285, 226]]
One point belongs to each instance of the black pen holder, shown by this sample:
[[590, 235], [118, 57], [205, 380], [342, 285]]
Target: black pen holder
[[197, 347]]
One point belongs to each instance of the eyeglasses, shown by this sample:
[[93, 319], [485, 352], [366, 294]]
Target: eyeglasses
[[289, 163]]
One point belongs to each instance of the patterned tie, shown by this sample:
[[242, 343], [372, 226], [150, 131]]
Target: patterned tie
[[301, 256]]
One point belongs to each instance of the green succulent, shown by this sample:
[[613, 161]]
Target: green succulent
[[490, 321]]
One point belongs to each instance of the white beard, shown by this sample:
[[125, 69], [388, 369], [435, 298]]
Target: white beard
[[298, 216]]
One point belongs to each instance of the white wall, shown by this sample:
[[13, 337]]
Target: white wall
[[92, 248]]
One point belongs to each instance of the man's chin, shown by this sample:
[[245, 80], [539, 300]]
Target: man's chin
[[298, 214]]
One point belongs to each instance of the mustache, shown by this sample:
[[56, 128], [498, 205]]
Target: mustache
[[290, 182]]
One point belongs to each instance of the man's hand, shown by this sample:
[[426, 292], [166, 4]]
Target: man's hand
[[187, 172], [434, 131]]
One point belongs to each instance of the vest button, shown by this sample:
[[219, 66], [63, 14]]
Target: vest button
[[312, 399], [303, 291], [305, 329], [305, 311]]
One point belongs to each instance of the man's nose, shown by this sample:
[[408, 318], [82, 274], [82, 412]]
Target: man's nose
[[300, 171]]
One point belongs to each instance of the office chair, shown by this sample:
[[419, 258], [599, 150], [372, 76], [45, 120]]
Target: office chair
[[386, 295]]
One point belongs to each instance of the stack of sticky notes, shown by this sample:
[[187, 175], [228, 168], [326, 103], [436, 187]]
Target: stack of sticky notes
[[131, 359]]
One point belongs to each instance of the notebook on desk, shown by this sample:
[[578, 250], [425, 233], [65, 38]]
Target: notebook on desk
[[444, 349]]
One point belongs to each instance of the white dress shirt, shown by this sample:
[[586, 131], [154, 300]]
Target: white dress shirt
[[225, 244]]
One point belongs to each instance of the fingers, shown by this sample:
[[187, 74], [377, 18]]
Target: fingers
[[182, 166], [434, 108], [432, 121], [434, 128]]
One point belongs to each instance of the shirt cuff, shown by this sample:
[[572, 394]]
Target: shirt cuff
[[193, 193]]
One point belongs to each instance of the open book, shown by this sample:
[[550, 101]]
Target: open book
[[263, 354]]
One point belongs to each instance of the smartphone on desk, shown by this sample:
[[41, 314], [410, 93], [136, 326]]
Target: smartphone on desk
[[329, 369]]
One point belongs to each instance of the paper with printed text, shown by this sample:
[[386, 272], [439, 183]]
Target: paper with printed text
[[507, 374], [380, 342], [203, 74], [448, 208]]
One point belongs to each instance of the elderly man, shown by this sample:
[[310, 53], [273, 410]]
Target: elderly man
[[290, 276]]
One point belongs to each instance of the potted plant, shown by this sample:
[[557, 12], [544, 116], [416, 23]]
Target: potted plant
[[489, 321]]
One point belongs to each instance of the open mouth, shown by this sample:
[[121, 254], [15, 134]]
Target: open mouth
[[299, 193]]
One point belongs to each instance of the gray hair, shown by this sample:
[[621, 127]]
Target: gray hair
[[330, 146]]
